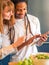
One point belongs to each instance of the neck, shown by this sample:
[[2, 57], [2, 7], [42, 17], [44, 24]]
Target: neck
[[6, 22]]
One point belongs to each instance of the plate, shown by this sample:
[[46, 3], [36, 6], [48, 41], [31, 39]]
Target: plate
[[40, 61]]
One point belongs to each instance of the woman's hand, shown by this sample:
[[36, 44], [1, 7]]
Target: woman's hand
[[19, 41]]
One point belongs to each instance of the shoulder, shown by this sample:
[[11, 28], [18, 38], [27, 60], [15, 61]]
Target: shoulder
[[33, 18]]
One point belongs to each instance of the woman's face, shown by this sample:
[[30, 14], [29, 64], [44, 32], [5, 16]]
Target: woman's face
[[7, 13], [21, 10]]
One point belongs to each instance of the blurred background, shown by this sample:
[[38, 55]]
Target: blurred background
[[40, 9]]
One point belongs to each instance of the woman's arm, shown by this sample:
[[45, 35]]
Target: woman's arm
[[11, 48]]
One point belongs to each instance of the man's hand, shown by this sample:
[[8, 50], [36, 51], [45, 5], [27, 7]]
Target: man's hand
[[44, 36]]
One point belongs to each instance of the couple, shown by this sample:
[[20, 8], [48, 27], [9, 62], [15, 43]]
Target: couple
[[17, 34]]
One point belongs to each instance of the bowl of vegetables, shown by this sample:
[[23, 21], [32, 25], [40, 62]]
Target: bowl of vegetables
[[28, 61], [40, 58]]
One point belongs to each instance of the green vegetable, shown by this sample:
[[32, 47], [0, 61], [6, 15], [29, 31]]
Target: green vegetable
[[26, 62], [20, 63], [42, 56]]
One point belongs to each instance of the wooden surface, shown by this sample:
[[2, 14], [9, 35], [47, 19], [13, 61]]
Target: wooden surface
[[36, 61], [12, 63]]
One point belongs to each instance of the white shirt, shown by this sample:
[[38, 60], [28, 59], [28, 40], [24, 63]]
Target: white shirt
[[20, 31]]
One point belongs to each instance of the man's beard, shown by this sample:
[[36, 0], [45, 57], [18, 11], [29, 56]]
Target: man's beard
[[17, 16]]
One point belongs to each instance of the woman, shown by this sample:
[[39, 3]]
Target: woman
[[7, 30]]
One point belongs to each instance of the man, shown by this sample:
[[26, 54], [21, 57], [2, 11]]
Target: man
[[29, 26]]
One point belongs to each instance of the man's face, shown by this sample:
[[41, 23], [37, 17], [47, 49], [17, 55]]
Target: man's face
[[21, 10]]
